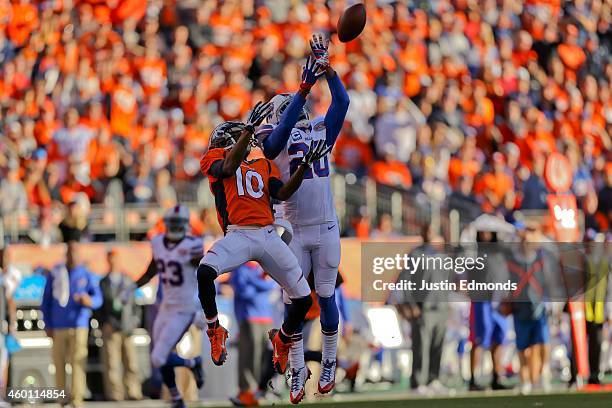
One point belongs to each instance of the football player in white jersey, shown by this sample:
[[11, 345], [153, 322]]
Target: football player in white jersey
[[310, 211], [176, 256]]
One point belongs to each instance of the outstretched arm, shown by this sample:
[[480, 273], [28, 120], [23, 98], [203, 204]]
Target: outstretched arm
[[277, 137], [338, 108]]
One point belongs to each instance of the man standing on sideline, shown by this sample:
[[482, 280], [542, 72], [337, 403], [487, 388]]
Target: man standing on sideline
[[254, 314], [71, 292], [118, 319], [427, 312]]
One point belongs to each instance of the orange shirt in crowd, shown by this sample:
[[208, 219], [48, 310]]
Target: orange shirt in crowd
[[458, 168], [392, 173], [496, 183], [351, 153], [152, 74], [24, 20], [124, 110]]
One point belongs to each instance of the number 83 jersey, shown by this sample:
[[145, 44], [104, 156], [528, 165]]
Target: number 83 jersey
[[176, 273], [313, 202]]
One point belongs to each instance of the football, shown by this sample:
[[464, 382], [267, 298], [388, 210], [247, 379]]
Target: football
[[351, 22]]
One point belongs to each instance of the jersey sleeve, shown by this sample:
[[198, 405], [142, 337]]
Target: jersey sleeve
[[274, 171], [206, 164]]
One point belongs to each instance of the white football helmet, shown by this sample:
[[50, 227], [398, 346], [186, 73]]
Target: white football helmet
[[176, 221], [280, 103]]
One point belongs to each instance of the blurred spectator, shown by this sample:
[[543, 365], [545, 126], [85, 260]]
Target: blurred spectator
[[534, 188], [529, 309], [385, 227], [74, 225], [120, 91], [46, 231], [118, 318], [428, 318], [13, 193], [597, 293], [253, 311], [71, 292], [391, 171]]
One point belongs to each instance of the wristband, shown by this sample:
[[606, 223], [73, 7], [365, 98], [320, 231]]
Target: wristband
[[249, 128], [306, 87]]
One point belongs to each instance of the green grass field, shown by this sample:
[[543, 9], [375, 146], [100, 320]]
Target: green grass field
[[565, 400]]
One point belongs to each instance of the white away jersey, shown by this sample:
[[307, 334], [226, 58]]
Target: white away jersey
[[313, 202], [176, 273]]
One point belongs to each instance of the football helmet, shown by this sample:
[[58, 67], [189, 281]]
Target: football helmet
[[226, 135], [176, 220], [280, 103]]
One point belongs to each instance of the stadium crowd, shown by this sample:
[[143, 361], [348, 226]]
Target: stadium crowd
[[461, 99]]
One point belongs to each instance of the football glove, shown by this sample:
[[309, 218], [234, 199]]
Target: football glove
[[320, 49], [257, 115], [311, 72], [318, 149]]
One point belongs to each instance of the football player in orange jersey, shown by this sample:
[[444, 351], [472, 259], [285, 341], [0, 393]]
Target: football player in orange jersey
[[243, 189]]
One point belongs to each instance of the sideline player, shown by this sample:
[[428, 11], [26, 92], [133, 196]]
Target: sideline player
[[175, 258], [243, 189], [311, 211]]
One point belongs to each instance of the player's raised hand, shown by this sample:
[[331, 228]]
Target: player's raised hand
[[311, 72], [259, 112], [320, 49], [318, 149]]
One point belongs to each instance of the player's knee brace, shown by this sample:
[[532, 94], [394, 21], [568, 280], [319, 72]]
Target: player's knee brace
[[330, 318]]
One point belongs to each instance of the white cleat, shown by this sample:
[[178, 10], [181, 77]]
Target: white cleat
[[298, 382], [327, 379]]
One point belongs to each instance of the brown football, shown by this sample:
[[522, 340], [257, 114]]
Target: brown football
[[351, 22]]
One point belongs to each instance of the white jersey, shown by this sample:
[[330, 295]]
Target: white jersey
[[176, 273], [313, 202]]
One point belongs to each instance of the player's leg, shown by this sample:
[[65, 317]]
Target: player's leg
[[298, 246], [278, 260], [168, 329], [225, 255], [500, 327], [325, 262]]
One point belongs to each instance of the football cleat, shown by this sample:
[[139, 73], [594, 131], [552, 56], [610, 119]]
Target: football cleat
[[280, 351], [218, 352], [327, 379], [298, 382], [245, 399]]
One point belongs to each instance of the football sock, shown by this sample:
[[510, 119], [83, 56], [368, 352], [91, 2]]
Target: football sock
[[296, 353], [169, 380], [329, 326], [207, 290], [330, 345], [296, 312]]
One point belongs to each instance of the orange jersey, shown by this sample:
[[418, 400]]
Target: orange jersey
[[243, 198]]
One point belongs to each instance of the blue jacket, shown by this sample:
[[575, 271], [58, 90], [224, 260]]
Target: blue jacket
[[73, 314], [252, 294]]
